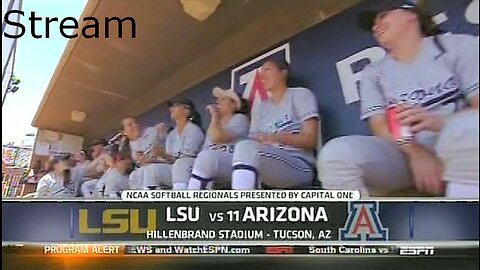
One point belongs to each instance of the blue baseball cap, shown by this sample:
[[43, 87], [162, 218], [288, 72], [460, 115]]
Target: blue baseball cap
[[366, 19]]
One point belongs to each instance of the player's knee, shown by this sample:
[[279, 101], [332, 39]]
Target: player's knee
[[183, 164], [459, 135], [205, 164], [87, 187], [246, 151], [181, 170], [338, 149], [134, 179], [333, 158]]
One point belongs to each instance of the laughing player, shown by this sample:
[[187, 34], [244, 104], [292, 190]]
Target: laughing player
[[435, 77]]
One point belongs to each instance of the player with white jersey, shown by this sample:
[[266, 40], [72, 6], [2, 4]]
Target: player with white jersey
[[433, 80], [82, 161], [143, 144], [183, 143], [227, 126], [283, 135], [56, 183], [115, 180], [94, 170]]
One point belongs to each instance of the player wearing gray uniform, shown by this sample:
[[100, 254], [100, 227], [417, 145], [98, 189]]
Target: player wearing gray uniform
[[78, 171], [433, 78], [116, 180], [56, 183], [143, 145], [227, 126], [95, 169], [183, 144], [283, 135]]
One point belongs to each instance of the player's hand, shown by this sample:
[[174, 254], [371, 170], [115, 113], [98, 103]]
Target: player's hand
[[142, 159], [213, 111], [102, 159], [109, 161], [158, 151], [264, 138], [418, 118], [427, 171]]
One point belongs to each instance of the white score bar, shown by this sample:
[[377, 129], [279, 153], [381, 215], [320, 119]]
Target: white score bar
[[241, 195]]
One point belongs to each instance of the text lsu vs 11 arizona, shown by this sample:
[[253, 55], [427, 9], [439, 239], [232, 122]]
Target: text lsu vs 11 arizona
[[129, 219]]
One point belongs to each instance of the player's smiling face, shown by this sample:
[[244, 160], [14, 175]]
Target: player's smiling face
[[61, 166], [179, 111], [271, 76], [225, 105], [131, 128], [390, 24]]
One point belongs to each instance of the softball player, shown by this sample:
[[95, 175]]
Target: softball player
[[283, 135], [82, 162], [56, 183], [183, 144], [143, 144], [95, 169], [225, 129], [435, 77], [116, 179]]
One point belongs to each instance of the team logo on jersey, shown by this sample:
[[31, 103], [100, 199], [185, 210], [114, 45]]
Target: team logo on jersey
[[245, 78], [363, 223]]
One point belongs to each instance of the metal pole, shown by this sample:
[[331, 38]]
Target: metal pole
[[11, 54], [6, 91], [10, 6]]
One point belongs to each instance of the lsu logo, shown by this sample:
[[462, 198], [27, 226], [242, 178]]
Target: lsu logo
[[363, 223], [245, 78]]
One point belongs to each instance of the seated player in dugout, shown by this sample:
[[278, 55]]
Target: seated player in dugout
[[56, 183], [115, 180], [142, 145], [228, 124], [432, 80], [80, 161], [176, 158], [282, 138], [87, 178]]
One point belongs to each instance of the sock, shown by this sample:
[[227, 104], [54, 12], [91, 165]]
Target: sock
[[194, 184], [243, 179], [180, 186], [209, 185], [198, 181]]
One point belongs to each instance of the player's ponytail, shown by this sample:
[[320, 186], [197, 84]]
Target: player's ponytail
[[244, 107], [195, 118]]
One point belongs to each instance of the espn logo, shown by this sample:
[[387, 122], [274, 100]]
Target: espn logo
[[279, 250], [417, 251]]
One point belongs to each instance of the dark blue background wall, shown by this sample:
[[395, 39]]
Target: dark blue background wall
[[314, 54]]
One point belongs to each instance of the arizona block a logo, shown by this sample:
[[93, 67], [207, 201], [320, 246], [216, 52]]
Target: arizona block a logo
[[363, 223]]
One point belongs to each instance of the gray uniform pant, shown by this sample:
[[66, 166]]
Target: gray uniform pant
[[155, 175], [78, 179], [275, 167], [376, 166], [212, 165], [88, 188]]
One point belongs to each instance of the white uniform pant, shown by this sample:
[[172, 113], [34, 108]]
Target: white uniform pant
[[276, 168], [376, 166], [88, 188], [78, 179], [156, 175]]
